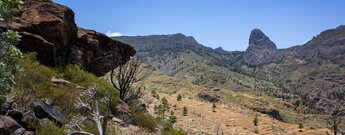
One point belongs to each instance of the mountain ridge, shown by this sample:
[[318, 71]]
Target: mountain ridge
[[290, 72]]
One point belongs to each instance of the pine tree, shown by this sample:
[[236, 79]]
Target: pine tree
[[256, 121], [165, 106], [214, 107], [185, 111], [179, 97]]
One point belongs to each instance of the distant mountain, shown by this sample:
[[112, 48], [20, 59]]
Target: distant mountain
[[182, 56], [313, 72], [152, 48]]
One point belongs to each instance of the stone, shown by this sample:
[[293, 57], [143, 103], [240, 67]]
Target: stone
[[29, 120], [209, 97], [8, 125], [16, 115], [43, 110], [50, 30], [122, 111]]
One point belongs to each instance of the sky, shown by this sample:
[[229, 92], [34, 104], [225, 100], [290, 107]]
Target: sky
[[213, 23]]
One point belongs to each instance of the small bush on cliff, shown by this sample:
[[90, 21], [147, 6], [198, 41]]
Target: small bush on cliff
[[80, 77], [49, 128], [35, 82], [145, 121], [172, 131]]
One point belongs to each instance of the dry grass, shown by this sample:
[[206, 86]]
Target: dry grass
[[234, 120]]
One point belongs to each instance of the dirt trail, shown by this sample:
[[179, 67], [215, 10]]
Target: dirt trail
[[232, 120]]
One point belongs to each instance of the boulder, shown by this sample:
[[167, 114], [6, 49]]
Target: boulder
[[122, 111], [8, 125], [16, 115], [209, 97], [43, 110], [29, 120], [50, 30], [271, 112], [261, 50]]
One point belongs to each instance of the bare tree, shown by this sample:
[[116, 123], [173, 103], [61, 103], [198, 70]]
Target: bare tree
[[335, 119], [88, 102], [128, 79]]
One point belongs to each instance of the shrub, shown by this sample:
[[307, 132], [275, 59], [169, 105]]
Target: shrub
[[83, 78], [49, 128], [172, 131], [78, 76], [172, 118], [145, 121], [256, 121], [165, 106], [179, 97], [185, 111], [300, 126], [154, 94], [175, 107], [256, 131], [9, 54], [214, 107]]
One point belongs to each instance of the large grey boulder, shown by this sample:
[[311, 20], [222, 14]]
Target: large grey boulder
[[43, 110]]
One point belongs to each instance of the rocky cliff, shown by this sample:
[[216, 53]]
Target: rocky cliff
[[50, 30], [261, 49]]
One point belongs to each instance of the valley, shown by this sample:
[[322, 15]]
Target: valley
[[57, 78]]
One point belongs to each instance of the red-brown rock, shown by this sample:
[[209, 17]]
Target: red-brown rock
[[50, 30]]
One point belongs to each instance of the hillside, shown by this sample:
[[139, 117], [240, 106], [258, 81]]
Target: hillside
[[313, 72], [233, 114]]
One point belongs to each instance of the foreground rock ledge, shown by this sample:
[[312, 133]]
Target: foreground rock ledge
[[50, 30]]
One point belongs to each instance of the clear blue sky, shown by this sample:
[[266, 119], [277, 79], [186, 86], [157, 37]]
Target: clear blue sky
[[213, 23]]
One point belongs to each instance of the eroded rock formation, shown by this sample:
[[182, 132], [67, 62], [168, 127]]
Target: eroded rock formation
[[50, 30]]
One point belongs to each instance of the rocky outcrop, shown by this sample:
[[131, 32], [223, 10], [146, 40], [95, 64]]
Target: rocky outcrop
[[209, 97], [261, 50], [50, 30], [271, 112], [43, 110], [9, 126]]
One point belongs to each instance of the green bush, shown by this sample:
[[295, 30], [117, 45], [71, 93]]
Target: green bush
[[256, 121], [214, 107], [49, 128], [300, 126], [172, 131], [145, 121], [179, 97], [80, 77], [185, 111]]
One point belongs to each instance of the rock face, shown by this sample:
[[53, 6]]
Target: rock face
[[50, 30], [261, 49]]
